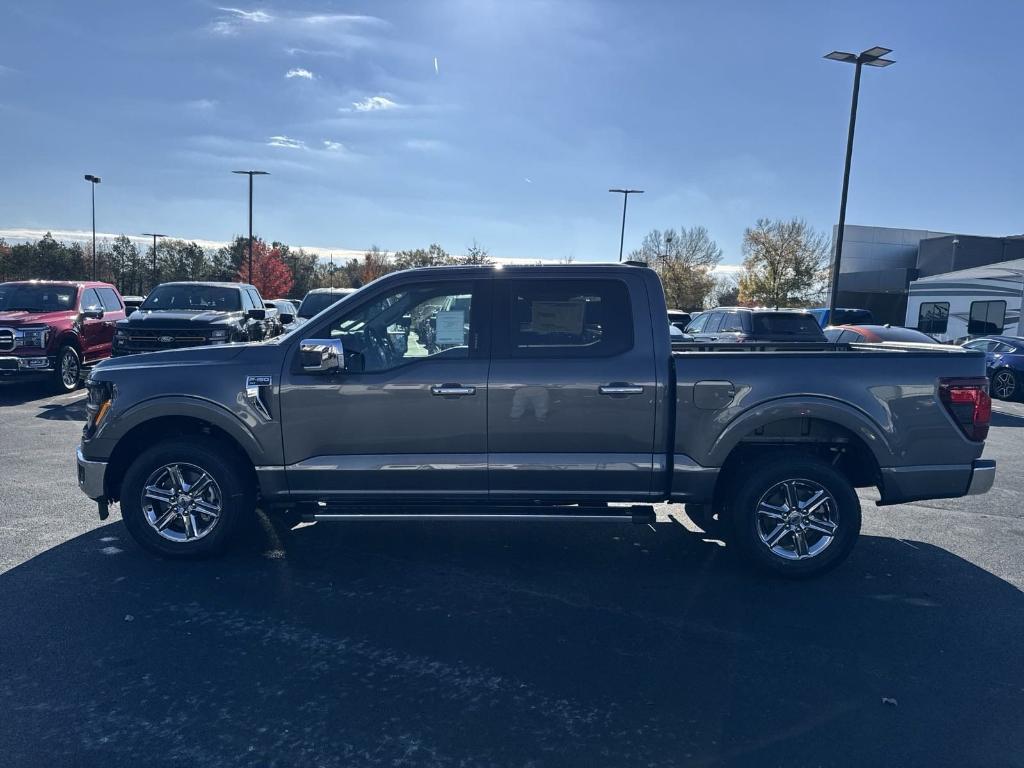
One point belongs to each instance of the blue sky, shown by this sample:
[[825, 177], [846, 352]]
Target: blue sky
[[723, 112]]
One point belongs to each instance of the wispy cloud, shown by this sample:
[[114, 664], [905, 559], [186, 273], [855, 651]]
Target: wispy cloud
[[333, 146], [236, 18], [305, 74], [286, 142], [201, 105], [374, 104], [330, 33], [426, 145]]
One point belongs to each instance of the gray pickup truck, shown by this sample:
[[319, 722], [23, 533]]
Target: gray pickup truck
[[530, 393]]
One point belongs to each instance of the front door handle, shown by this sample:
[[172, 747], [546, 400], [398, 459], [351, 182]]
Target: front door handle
[[621, 389], [452, 389]]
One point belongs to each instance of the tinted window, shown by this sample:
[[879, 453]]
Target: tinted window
[[986, 317], [315, 303], [568, 318], [193, 297], [933, 317], [414, 322], [109, 299], [698, 324], [983, 345], [90, 299], [37, 298], [833, 334], [850, 337], [714, 322], [786, 324], [904, 334], [732, 323]]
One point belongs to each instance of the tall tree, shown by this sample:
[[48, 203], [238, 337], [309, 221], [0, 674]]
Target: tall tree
[[432, 256], [270, 274], [124, 260], [785, 263], [475, 254], [684, 261]]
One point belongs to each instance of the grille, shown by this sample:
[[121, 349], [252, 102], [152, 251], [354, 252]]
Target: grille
[[155, 340], [6, 339]]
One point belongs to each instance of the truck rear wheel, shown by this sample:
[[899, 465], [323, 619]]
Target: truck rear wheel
[[796, 517], [183, 498]]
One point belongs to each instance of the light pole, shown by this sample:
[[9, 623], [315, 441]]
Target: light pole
[[154, 235], [250, 174], [668, 245], [93, 181], [873, 57], [625, 198]]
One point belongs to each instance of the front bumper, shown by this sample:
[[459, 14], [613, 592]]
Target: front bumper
[[12, 365], [92, 476]]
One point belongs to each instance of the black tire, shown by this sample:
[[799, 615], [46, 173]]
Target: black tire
[[804, 476], [67, 375], [1005, 384], [232, 489]]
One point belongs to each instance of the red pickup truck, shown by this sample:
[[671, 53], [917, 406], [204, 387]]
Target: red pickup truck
[[53, 329]]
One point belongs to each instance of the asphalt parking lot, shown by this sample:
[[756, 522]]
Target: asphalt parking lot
[[475, 644]]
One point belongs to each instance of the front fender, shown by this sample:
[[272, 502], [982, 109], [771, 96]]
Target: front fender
[[805, 407], [185, 406]]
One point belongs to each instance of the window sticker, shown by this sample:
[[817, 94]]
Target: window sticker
[[557, 317], [451, 327]]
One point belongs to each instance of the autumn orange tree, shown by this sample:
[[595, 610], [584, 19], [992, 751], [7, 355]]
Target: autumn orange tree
[[270, 274]]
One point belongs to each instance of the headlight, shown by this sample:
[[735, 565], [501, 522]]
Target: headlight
[[120, 335], [34, 337], [220, 333], [101, 393]]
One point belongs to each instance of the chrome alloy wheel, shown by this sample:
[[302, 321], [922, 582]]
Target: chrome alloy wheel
[[181, 502], [69, 369], [797, 519], [1004, 385]]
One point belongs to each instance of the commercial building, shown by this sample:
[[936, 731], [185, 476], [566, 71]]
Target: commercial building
[[879, 263]]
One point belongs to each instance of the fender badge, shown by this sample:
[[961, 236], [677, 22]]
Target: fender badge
[[259, 381]]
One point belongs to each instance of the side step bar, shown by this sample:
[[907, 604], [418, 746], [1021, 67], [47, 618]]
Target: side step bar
[[639, 514]]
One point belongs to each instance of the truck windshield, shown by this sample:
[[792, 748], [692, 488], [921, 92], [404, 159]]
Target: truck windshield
[[185, 297], [36, 298]]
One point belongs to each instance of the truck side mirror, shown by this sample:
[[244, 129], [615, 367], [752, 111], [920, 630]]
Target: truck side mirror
[[257, 314], [322, 355], [92, 313], [287, 318]]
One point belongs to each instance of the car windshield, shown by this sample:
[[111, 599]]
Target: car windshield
[[187, 297], [36, 298], [315, 303], [786, 324]]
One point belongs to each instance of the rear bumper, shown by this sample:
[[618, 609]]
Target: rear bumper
[[92, 476], [943, 481]]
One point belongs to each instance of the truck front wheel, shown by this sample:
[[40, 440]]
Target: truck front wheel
[[183, 498], [67, 374], [796, 517]]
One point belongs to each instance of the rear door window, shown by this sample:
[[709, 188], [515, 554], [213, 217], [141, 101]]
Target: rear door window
[[714, 323], [567, 318], [110, 301], [732, 323]]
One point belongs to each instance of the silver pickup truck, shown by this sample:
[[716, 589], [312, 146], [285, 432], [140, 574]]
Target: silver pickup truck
[[530, 393]]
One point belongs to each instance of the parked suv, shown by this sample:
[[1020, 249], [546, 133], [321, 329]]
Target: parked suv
[[742, 324], [176, 315], [52, 329]]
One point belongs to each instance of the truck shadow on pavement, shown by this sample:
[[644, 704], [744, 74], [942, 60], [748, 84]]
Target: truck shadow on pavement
[[501, 644]]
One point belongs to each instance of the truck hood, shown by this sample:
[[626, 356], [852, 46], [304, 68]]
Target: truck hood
[[165, 318], [210, 355], [19, 317]]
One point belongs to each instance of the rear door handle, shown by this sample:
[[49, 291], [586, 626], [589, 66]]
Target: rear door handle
[[621, 389], [452, 389]]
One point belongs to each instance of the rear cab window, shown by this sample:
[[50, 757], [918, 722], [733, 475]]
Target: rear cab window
[[786, 324]]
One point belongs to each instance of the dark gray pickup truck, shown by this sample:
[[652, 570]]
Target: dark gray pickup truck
[[530, 393]]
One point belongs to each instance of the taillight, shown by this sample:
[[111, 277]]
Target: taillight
[[969, 404]]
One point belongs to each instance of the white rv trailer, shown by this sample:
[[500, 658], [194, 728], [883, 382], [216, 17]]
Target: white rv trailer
[[981, 301]]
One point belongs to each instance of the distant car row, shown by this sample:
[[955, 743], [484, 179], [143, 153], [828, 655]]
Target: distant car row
[[53, 329]]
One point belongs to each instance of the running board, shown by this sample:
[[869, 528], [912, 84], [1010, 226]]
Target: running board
[[640, 515]]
